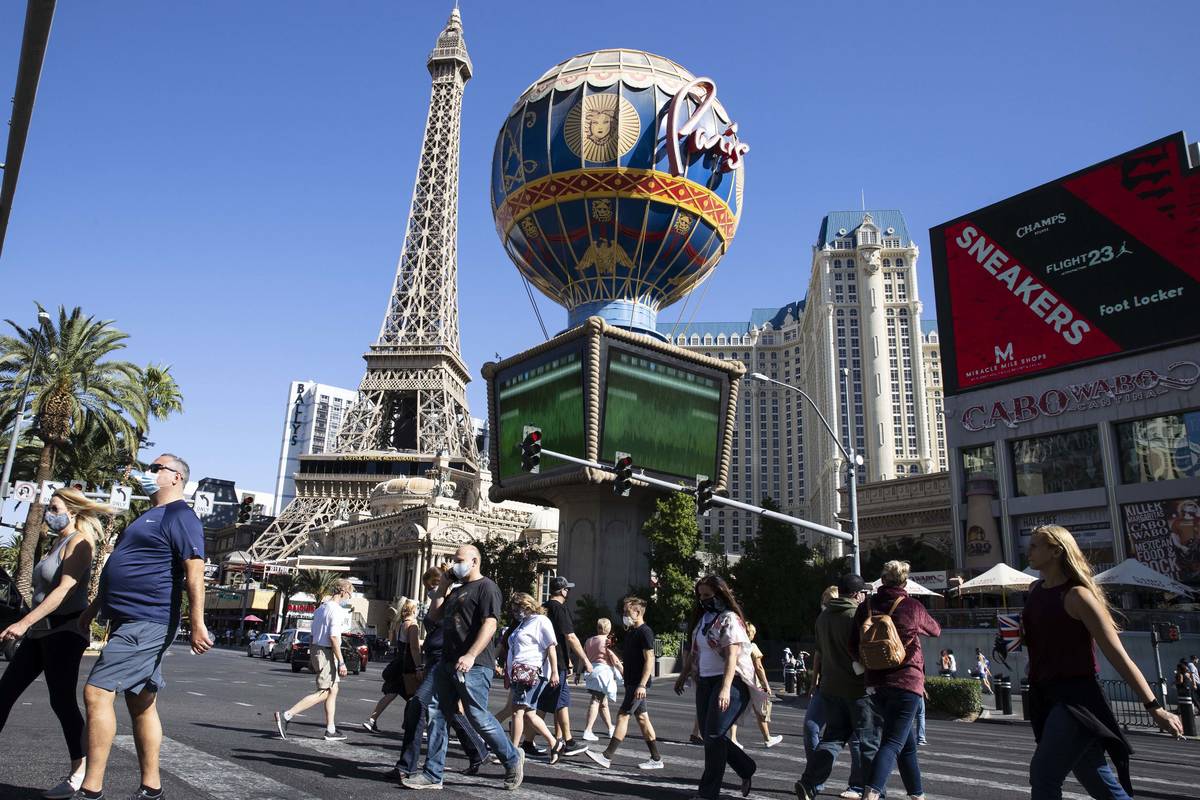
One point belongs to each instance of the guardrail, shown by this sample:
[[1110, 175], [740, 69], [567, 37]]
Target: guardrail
[[1126, 706]]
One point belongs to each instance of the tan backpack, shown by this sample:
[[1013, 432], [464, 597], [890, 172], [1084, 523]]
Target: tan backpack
[[879, 645]]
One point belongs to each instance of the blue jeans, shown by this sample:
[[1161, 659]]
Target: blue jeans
[[714, 727], [897, 743], [814, 721], [471, 688], [846, 721], [1065, 748], [919, 723], [422, 711]]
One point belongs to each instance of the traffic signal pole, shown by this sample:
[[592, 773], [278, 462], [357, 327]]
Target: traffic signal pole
[[725, 501]]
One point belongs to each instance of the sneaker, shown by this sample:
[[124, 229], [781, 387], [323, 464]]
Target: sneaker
[[598, 757], [514, 776], [67, 786], [334, 736], [651, 763], [142, 794], [922, 742], [738, 745], [774, 740], [556, 752], [697, 740], [532, 750], [588, 736], [78, 795], [850, 794], [494, 759], [420, 781], [281, 724], [372, 726], [472, 768], [802, 791], [573, 748]]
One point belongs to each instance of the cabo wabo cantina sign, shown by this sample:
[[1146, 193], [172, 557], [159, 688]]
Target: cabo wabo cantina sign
[[1097, 264]]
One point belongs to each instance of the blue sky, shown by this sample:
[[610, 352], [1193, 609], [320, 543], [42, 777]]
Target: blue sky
[[230, 181]]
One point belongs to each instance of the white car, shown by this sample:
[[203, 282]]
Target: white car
[[261, 646]]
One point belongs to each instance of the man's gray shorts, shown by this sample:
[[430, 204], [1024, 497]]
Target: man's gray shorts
[[132, 659]]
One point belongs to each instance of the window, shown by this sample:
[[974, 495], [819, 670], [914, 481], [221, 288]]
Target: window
[[979, 461], [1060, 462], [1160, 448]]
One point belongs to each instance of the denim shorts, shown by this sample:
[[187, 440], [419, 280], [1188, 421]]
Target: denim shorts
[[131, 661], [526, 696]]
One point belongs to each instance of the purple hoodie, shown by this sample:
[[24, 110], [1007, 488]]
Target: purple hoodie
[[912, 621]]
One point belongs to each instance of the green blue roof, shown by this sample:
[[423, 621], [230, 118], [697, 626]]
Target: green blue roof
[[834, 221], [775, 316]]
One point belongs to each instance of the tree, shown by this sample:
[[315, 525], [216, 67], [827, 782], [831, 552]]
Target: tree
[[513, 564], [674, 538], [317, 582], [285, 587], [588, 610], [10, 554], [73, 385], [779, 581]]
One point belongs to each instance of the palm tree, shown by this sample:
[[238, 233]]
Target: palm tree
[[9, 554], [73, 386], [285, 587], [317, 582]]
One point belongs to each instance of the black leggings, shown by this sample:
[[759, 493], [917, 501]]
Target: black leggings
[[58, 656]]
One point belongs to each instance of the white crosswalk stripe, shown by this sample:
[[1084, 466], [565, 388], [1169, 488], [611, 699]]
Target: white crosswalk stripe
[[216, 776]]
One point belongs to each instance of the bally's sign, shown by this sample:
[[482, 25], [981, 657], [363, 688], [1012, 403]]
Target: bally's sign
[[1110, 390]]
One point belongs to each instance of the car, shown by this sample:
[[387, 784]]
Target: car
[[288, 642], [300, 659], [261, 645], [359, 642]]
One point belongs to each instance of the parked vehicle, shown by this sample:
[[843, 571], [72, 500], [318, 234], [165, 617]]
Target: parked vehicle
[[359, 642], [289, 641], [299, 654], [261, 645]]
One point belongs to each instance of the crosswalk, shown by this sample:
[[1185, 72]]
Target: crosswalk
[[947, 774]]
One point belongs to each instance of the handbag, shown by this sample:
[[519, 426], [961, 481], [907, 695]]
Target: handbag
[[524, 674]]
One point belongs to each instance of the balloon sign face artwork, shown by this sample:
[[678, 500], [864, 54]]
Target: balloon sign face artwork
[[617, 184]]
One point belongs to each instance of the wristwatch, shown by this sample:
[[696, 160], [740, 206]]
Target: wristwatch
[[1152, 705]]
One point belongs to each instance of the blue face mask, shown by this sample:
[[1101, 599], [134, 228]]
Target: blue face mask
[[57, 522], [148, 482]]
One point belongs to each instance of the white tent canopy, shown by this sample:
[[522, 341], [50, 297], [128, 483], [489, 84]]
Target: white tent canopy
[[996, 580], [1133, 574], [912, 587]]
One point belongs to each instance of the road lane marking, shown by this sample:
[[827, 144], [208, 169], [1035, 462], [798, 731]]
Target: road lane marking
[[247, 705], [216, 776], [195, 693]]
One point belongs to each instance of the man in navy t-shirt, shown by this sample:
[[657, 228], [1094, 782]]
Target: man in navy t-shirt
[[160, 553]]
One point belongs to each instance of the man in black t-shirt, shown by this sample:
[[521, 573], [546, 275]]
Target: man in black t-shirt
[[468, 615], [637, 653], [557, 699]]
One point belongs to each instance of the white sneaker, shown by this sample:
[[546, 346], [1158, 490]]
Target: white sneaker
[[651, 764], [850, 794], [588, 736], [611, 731], [66, 787], [774, 740], [598, 757]]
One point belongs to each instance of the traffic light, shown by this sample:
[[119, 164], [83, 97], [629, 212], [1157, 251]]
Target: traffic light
[[704, 495], [624, 471], [246, 508], [531, 449]]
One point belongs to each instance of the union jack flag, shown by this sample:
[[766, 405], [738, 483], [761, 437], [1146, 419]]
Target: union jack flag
[[1010, 630]]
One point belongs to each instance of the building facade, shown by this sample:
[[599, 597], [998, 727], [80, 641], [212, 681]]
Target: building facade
[[1109, 450], [312, 420], [935, 393], [861, 314]]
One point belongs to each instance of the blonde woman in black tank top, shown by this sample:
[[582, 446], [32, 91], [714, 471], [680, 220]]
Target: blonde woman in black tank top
[[1065, 617]]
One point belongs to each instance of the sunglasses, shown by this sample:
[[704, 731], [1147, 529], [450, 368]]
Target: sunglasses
[[153, 468]]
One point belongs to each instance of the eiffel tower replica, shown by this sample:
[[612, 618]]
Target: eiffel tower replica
[[412, 403]]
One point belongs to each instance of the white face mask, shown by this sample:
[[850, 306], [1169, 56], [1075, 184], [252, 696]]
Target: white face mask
[[461, 569], [627, 621]]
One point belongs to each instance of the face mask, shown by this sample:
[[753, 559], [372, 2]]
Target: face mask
[[714, 604], [627, 621], [148, 482], [57, 522], [461, 569]]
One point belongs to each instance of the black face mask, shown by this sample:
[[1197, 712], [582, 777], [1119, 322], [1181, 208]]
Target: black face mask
[[713, 604]]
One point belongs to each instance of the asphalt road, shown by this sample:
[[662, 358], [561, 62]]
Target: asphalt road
[[220, 743]]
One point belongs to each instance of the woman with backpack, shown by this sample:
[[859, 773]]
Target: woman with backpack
[[886, 641], [1065, 616]]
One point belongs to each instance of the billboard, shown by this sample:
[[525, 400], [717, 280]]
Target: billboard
[[546, 391], [1097, 264], [1165, 536], [666, 416]]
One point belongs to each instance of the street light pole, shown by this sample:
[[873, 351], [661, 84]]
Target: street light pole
[[851, 469], [43, 318], [849, 454]]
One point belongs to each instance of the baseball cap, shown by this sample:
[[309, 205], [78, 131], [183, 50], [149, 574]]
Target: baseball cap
[[850, 584], [558, 583]]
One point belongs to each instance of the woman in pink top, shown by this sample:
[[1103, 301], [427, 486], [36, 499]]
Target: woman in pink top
[[602, 681]]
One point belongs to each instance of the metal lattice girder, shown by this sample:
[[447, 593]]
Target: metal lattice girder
[[413, 396]]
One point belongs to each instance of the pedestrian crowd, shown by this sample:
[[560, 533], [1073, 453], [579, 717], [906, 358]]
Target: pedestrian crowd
[[867, 673]]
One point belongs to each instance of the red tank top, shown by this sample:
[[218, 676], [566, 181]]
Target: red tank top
[[1060, 646]]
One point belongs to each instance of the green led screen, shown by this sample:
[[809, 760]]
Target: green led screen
[[546, 391], [667, 417]]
